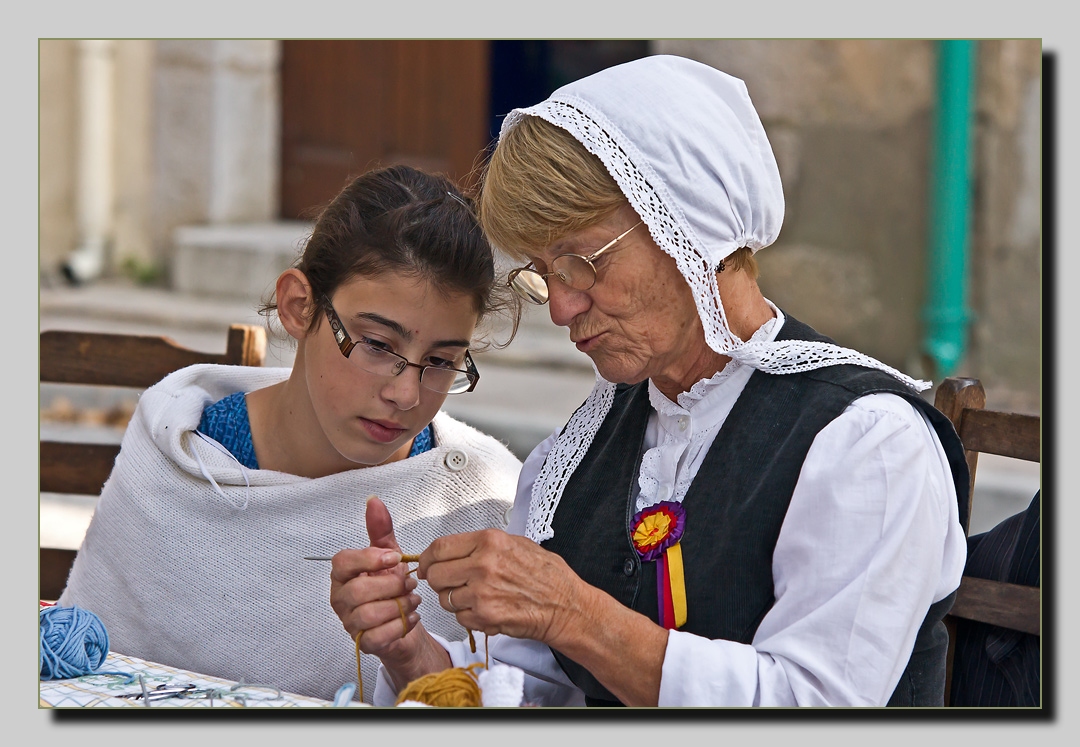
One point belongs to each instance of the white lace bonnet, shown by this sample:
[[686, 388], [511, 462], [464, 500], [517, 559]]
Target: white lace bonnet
[[686, 147]]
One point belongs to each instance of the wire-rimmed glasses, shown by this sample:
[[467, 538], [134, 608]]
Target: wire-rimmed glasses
[[575, 270], [384, 362]]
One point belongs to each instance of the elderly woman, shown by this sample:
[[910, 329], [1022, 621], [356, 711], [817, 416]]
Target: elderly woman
[[742, 512]]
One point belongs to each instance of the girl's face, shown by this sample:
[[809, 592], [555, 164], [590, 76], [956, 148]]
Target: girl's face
[[372, 418]]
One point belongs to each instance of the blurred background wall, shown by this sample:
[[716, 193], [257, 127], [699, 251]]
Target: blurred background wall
[[197, 165]]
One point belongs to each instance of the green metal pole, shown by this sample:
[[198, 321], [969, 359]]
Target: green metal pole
[[946, 312]]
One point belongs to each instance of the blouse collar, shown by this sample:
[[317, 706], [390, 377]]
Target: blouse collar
[[701, 391]]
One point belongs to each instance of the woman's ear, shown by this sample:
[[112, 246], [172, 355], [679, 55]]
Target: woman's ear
[[294, 302]]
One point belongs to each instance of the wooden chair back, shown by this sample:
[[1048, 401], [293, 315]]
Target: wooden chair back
[[1007, 434], [101, 359]]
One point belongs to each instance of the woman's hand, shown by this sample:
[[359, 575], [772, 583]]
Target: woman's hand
[[501, 583], [375, 599]]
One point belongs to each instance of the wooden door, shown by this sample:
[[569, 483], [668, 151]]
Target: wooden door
[[351, 105]]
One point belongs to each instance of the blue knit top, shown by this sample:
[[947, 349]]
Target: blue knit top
[[226, 421]]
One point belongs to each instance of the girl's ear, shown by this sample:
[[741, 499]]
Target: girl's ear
[[294, 302]]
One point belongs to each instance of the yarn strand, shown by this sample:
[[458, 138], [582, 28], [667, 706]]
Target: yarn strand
[[359, 674]]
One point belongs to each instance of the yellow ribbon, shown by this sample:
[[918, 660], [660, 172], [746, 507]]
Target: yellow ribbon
[[678, 584]]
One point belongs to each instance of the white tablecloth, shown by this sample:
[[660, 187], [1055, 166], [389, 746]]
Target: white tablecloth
[[104, 690]]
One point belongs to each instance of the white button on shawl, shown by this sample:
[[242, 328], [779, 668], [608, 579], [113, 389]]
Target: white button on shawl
[[456, 460]]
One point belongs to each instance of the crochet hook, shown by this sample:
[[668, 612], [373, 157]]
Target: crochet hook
[[404, 558]]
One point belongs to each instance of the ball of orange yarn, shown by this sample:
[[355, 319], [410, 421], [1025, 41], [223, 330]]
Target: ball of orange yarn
[[450, 688]]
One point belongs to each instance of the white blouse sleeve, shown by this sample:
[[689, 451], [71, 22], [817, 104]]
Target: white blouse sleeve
[[871, 538]]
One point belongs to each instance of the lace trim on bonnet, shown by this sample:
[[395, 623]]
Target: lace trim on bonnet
[[650, 198]]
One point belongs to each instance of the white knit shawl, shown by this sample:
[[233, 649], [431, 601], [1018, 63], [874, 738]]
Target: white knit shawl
[[216, 584]]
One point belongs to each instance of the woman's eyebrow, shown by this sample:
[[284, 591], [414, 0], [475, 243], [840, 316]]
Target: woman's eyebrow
[[574, 245], [398, 329]]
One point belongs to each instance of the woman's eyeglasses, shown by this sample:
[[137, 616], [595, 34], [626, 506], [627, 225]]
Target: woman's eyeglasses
[[576, 271], [384, 362]]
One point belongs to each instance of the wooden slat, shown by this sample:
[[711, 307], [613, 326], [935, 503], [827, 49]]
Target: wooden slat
[[246, 345], [963, 401], [955, 394], [1007, 434], [955, 397], [998, 603], [54, 565], [113, 360], [136, 361], [76, 468]]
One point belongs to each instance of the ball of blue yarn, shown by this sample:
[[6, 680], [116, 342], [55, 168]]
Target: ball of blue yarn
[[73, 642]]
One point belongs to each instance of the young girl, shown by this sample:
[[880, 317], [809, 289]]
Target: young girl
[[228, 477]]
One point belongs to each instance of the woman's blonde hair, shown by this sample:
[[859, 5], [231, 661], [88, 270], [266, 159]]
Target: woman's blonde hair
[[541, 184]]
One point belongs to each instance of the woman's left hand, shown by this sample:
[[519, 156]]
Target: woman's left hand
[[504, 583]]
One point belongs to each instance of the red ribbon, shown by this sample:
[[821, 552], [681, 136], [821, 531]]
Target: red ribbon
[[665, 604]]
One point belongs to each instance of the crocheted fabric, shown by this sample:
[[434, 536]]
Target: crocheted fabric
[[227, 422], [423, 442]]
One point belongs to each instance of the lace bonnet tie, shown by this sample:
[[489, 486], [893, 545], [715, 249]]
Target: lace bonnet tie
[[685, 145]]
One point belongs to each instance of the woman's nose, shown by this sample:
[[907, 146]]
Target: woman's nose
[[565, 303]]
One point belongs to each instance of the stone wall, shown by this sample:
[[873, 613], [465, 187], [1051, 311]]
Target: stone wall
[[215, 134], [194, 141], [132, 230], [1006, 267], [57, 232]]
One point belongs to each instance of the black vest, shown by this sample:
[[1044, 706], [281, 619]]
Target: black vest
[[735, 507]]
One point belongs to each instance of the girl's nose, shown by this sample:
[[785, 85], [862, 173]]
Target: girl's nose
[[404, 389]]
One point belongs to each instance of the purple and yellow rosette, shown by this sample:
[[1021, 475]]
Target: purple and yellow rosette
[[656, 533]]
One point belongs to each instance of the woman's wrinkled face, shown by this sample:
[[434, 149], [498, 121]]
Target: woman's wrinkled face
[[371, 418], [639, 320]]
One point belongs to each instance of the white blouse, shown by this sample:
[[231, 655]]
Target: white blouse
[[871, 538]]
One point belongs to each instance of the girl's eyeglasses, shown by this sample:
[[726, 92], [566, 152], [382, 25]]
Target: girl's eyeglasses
[[384, 362]]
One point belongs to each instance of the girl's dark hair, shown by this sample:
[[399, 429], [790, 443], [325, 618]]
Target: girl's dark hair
[[399, 219]]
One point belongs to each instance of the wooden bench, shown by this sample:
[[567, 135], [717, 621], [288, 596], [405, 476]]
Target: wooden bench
[[1008, 434], [100, 359]]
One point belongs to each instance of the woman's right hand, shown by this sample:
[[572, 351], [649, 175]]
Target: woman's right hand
[[371, 594]]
